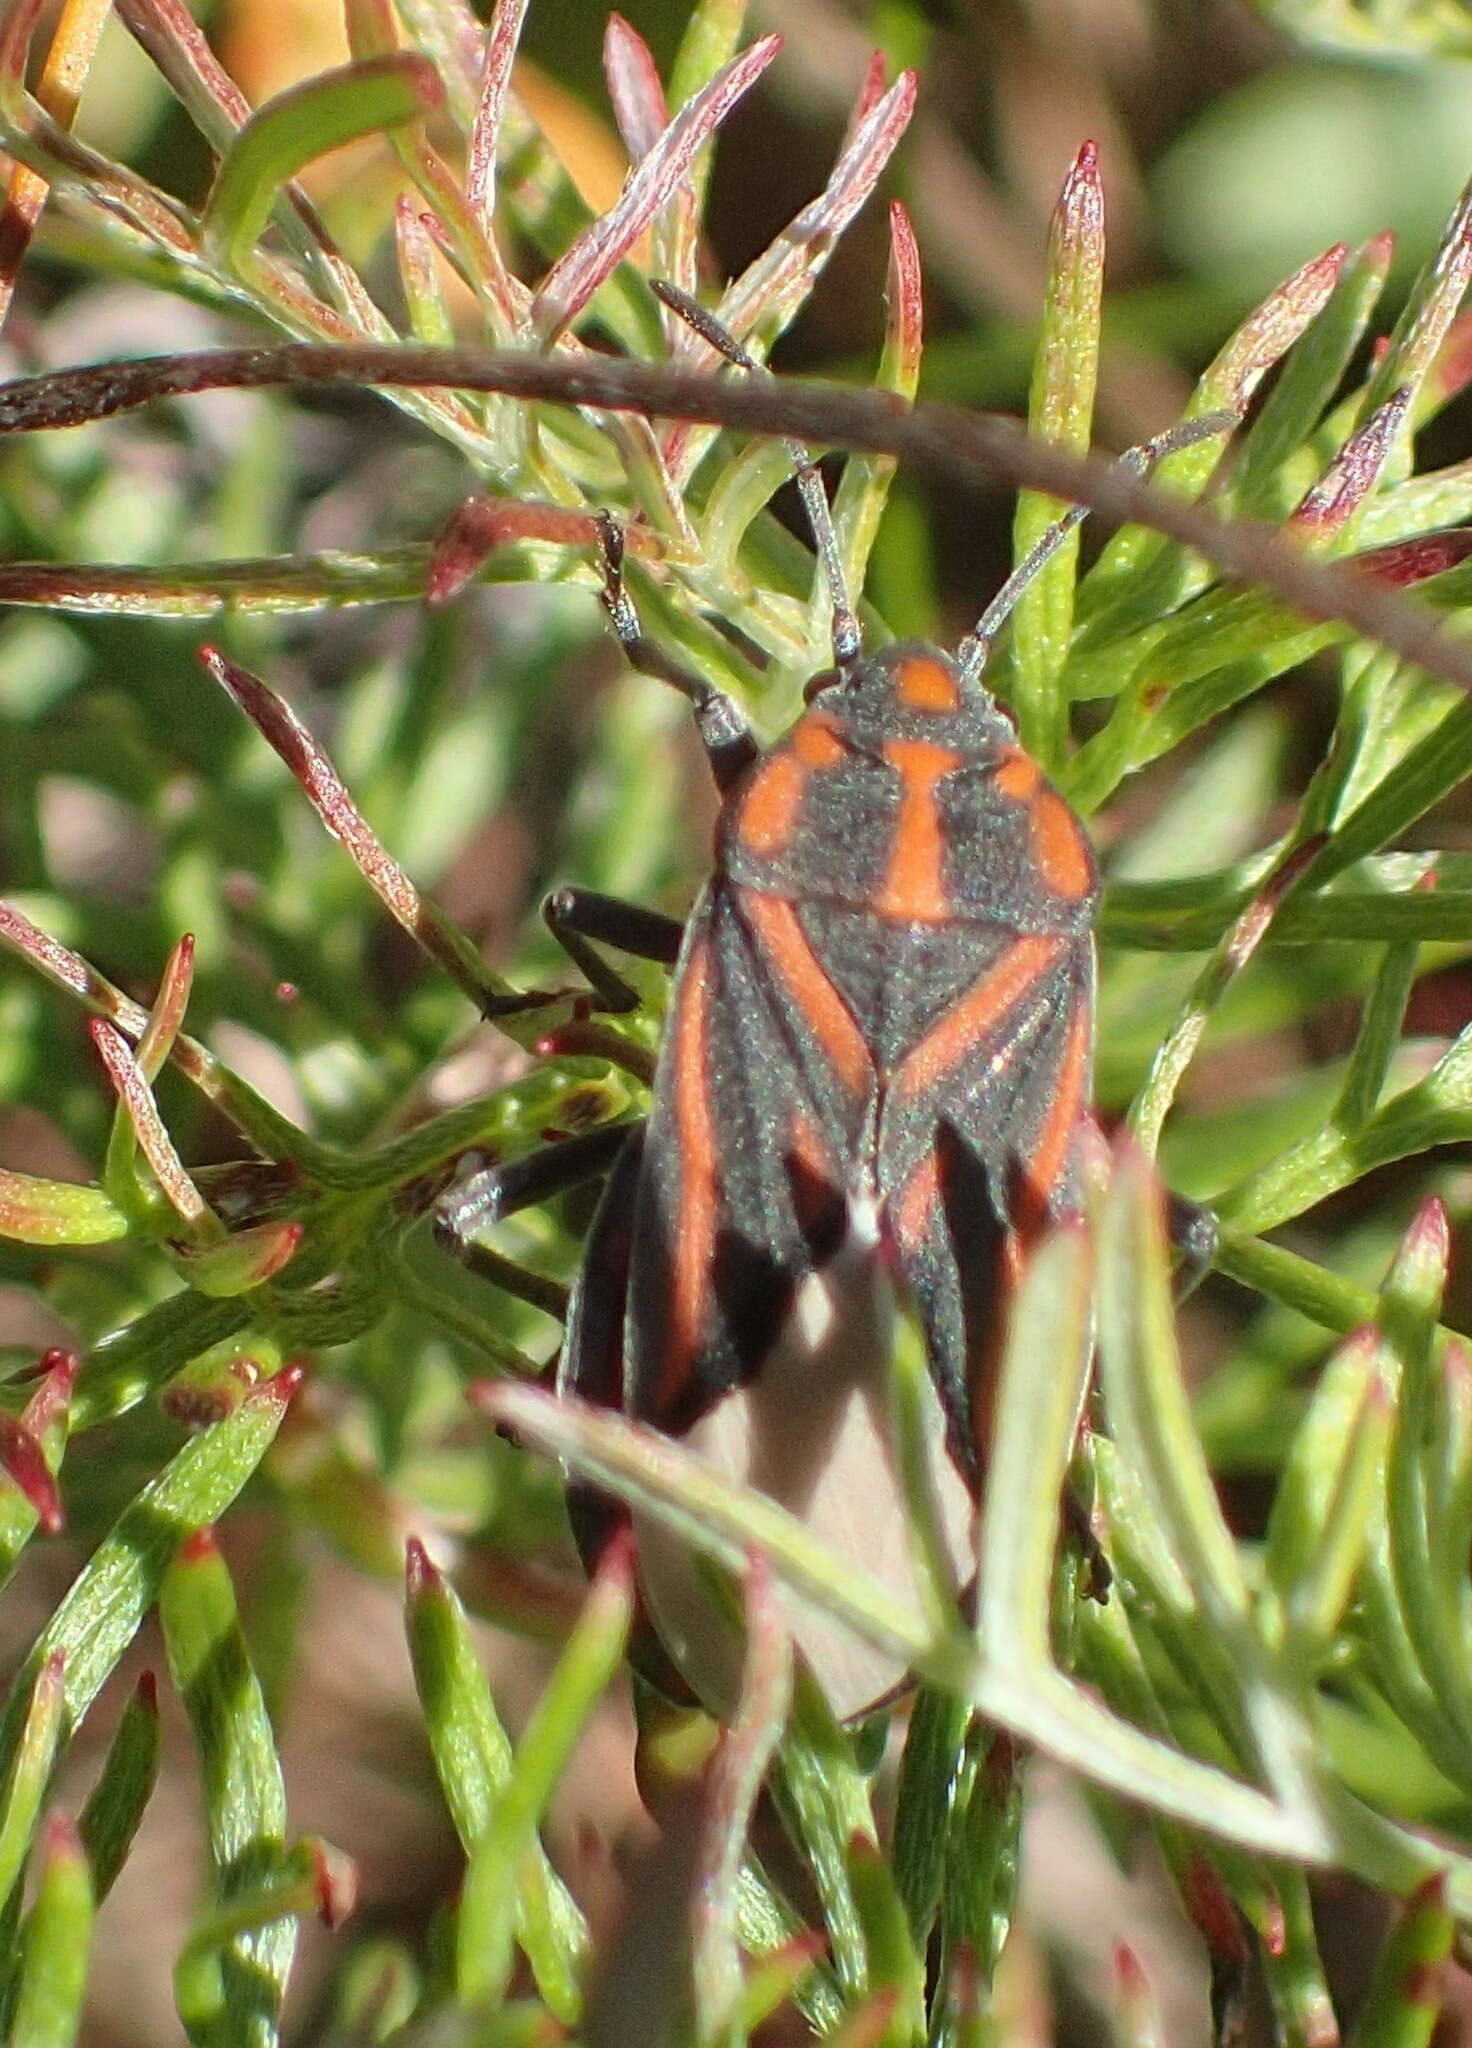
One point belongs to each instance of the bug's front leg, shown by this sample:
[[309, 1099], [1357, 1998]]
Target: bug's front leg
[[724, 733], [581, 920]]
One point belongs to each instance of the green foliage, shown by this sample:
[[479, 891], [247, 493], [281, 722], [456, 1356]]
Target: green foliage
[[262, 1181]]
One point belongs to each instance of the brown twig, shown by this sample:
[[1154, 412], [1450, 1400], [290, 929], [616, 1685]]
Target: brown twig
[[945, 441]]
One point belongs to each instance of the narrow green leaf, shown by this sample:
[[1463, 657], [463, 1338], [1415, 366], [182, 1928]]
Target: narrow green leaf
[[863, 489], [1315, 1460], [56, 1942], [29, 1778], [1406, 1996], [1140, 574], [982, 1853], [110, 1596], [1044, 1375], [305, 121], [824, 1803], [1435, 1626], [933, 1746], [472, 1756], [233, 1999], [115, 1807], [774, 1977], [1429, 310], [1319, 1597], [583, 1674], [896, 1962], [55, 1212], [312, 1878], [1060, 409], [1378, 1036], [1434, 766], [1306, 384], [1015, 1682], [1435, 1111]]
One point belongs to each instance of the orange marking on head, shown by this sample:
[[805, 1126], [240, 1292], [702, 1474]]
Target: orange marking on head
[[911, 1212], [915, 886], [922, 683], [695, 1239], [1050, 1154], [1059, 848], [1018, 775], [968, 1021], [819, 1004]]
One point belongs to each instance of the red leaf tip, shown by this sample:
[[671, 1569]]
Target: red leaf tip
[[421, 1574], [336, 1878], [60, 1837], [284, 1384], [198, 1547], [1129, 1970]]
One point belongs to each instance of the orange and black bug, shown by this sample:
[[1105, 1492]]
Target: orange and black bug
[[876, 1070]]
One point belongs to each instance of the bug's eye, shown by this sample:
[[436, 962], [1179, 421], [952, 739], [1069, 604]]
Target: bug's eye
[[824, 680]]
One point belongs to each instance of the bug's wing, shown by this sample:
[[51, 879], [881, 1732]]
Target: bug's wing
[[757, 1317], [977, 1152], [764, 1085]]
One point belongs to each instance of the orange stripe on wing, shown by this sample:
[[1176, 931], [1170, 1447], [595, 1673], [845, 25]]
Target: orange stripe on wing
[[772, 806], [1059, 848], [1018, 775], [1042, 1173], [915, 887], [967, 1022], [695, 1227], [822, 1008], [910, 1214], [816, 743]]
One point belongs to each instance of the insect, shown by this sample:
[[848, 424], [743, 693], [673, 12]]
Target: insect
[[874, 1080]]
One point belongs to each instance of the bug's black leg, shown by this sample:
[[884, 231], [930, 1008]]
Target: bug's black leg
[[499, 1191], [493, 1007], [724, 733], [539, 1289], [576, 916]]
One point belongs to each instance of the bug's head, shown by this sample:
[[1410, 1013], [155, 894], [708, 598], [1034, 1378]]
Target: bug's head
[[913, 688]]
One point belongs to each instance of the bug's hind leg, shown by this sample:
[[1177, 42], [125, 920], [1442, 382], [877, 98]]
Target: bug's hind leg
[[581, 920], [486, 1198], [724, 733]]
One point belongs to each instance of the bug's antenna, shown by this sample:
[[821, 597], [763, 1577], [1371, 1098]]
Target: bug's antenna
[[846, 642], [975, 649]]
